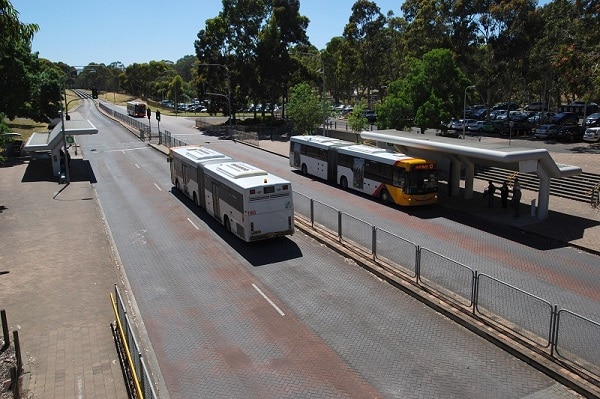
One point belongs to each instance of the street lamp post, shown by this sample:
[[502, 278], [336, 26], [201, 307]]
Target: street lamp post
[[464, 124], [228, 89]]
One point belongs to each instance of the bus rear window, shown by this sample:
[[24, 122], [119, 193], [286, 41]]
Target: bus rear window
[[269, 189]]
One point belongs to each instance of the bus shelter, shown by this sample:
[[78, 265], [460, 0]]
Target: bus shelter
[[52, 142], [464, 155]]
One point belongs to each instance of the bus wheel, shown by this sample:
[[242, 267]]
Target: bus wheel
[[385, 197], [227, 224], [344, 182], [304, 171]]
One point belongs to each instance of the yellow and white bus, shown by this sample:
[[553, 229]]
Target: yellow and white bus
[[250, 202], [390, 176]]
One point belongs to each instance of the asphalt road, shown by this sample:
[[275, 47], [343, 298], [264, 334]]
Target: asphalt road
[[344, 333]]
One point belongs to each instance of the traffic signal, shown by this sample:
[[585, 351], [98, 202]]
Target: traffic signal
[[94, 93], [148, 112], [157, 114]]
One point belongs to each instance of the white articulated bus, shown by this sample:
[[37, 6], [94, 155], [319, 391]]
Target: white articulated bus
[[390, 176], [315, 155], [250, 202], [187, 170]]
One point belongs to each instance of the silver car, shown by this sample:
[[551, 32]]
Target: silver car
[[592, 134], [546, 131]]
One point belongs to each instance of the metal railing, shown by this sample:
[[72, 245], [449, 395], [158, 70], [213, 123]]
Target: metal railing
[[134, 364], [560, 333]]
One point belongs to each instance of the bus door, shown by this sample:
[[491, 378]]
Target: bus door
[[201, 193], [185, 178], [332, 166], [215, 194]]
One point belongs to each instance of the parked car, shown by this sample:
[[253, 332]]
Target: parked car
[[370, 115], [515, 128], [494, 127], [546, 132], [592, 134], [458, 124], [536, 106], [476, 127], [497, 114], [506, 105], [592, 120], [565, 118], [541, 117], [570, 133]]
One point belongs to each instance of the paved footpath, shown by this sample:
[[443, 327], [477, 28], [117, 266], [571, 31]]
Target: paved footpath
[[56, 292]]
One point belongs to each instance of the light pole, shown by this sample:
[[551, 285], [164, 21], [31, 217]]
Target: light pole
[[228, 89], [464, 124]]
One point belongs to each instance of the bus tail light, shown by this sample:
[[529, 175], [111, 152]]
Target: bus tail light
[[285, 187]]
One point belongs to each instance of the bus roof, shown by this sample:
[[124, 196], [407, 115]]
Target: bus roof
[[244, 175], [199, 154], [379, 154], [320, 141]]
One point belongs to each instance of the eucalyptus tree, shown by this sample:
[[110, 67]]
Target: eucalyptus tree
[[246, 48], [427, 25], [569, 42], [365, 46]]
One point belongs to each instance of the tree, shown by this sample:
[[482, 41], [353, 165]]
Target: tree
[[365, 44], [17, 64], [176, 90], [431, 91], [304, 109], [251, 38], [356, 121]]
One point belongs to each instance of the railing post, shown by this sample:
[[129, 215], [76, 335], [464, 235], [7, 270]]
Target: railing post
[[5, 333], [18, 352], [554, 330], [14, 380], [418, 263], [374, 241], [339, 226], [312, 213], [475, 290]]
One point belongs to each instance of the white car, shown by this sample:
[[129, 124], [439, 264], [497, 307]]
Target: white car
[[592, 134], [458, 125]]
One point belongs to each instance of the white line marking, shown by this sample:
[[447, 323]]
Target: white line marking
[[193, 224], [268, 300], [156, 185], [136, 165]]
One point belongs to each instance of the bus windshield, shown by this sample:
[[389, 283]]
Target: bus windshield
[[421, 182]]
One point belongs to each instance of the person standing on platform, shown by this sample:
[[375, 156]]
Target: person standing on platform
[[516, 197], [490, 190], [504, 190]]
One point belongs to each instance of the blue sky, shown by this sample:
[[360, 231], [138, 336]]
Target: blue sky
[[80, 32]]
